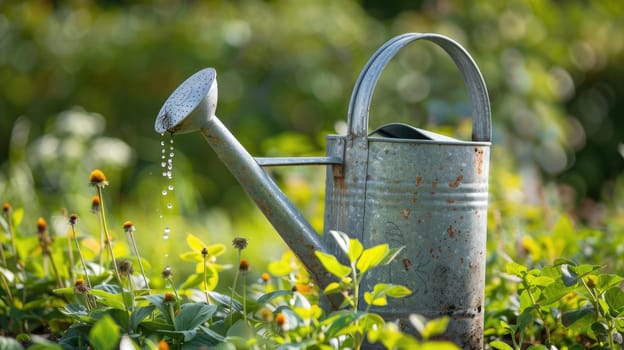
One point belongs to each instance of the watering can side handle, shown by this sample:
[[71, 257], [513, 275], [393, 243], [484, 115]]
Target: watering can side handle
[[362, 93]]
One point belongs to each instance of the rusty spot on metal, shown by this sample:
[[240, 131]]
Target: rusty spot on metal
[[461, 260], [451, 231], [455, 184], [419, 181], [450, 201], [479, 160], [414, 200], [406, 213], [407, 263], [434, 183]]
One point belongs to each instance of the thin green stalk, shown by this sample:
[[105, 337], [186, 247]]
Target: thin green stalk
[[245, 296], [2, 256], [107, 236], [5, 284], [136, 252], [233, 288], [539, 312], [175, 292], [55, 270], [82, 260], [102, 240]]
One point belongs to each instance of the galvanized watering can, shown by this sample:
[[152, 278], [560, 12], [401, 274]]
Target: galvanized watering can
[[398, 185]]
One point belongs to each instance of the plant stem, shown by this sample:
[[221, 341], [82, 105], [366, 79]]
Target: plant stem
[[55, 270], [205, 280], [234, 288], [136, 252], [107, 236], [175, 292], [245, 296], [84, 264], [5, 284], [539, 312]]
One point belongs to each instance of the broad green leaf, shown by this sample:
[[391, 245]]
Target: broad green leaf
[[539, 281], [397, 291], [537, 347], [391, 255], [606, 281], [195, 243], [192, 315], [526, 318], [105, 334], [265, 298], [372, 257], [355, 250], [500, 345], [342, 240], [332, 265], [435, 327], [584, 269], [332, 288], [139, 315], [579, 319], [375, 299], [109, 299], [7, 343], [516, 269], [615, 299], [570, 278]]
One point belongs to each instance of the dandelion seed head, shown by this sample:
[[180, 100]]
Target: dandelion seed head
[[240, 243]]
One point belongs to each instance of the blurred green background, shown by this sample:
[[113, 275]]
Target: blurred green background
[[82, 82]]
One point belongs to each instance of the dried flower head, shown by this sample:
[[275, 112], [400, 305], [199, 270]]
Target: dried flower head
[[6, 208], [98, 179], [73, 219], [163, 345], [42, 225], [80, 287], [240, 243], [167, 273], [204, 252], [243, 266], [125, 267], [95, 204], [266, 277], [169, 297], [128, 226], [280, 320]]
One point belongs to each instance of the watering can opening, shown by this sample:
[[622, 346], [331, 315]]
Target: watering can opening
[[408, 132]]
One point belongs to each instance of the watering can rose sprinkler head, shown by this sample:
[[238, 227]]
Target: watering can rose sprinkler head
[[191, 106]]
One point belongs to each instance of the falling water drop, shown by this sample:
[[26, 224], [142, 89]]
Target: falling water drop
[[162, 143], [164, 192], [169, 205], [170, 187], [163, 164]]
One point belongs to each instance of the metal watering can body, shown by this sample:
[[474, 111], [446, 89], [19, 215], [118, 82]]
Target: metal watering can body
[[400, 185]]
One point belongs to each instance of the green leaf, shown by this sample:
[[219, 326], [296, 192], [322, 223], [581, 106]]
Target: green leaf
[[372, 257], [375, 299], [500, 345], [435, 327], [578, 319], [570, 278], [606, 281], [516, 269], [332, 265], [342, 240], [193, 314], [10, 344], [397, 291], [105, 334], [615, 299], [109, 299], [537, 347], [355, 250], [332, 288], [272, 295], [195, 243], [391, 255], [139, 315]]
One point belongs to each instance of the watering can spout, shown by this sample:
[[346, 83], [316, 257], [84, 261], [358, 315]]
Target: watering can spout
[[191, 107]]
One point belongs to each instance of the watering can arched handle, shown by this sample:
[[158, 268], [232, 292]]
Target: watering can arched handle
[[363, 91]]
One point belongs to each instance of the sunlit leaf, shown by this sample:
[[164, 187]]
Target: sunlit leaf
[[341, 239], [500, 345], [105, 334], [196, 244], [372, 257], [192, 315], [435, 327], [332, 265], [615, 299]]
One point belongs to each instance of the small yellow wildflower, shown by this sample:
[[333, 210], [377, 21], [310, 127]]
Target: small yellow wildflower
[[98, 179]]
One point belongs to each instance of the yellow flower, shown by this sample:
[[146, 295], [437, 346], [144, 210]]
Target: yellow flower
[[129, 227], [97, 178]]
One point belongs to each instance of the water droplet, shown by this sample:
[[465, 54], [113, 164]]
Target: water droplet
[[171, 141], [170, 154], [171, 148], [162, 150], [162, 142], [163, 164], [161, 216], [165, 235], [169, 205], [164, 192], [170, 187], [163, 157], [164, 173]]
